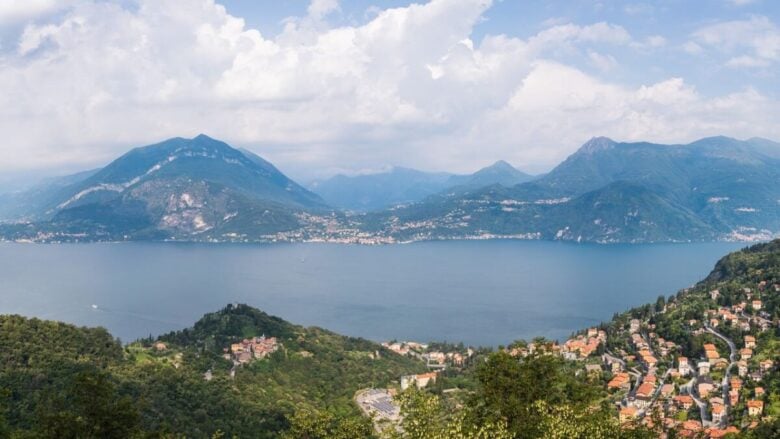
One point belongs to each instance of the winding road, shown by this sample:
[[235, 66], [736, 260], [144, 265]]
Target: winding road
[[727, 376]]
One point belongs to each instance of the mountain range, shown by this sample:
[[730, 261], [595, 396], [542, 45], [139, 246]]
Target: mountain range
[[201, 189], [403, 185]]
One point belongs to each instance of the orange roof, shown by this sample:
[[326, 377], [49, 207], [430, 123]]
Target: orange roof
[[628, 411], [716, 409], [692, 425], [755, 403], [712, 355], [709, 347], [683, 399], [646, 389]]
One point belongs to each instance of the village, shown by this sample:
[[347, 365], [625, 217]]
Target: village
[[717, 393], [248, 350]]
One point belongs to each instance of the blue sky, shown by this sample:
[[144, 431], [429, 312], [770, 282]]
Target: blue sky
[[327, 86]]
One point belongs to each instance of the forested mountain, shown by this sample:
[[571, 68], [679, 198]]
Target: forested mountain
[[201, 189], [714, 188]]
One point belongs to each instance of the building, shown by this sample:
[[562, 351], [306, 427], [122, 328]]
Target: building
[[717, 413], [742, 368], [750, 341], [755, 407], [683, 366], [621, 381], [704, 368], [628, 414], [420, 380], [684, 402], [745, 354]]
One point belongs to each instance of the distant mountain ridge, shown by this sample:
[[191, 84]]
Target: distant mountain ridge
[[712, 189], [403, 185], [201, 189]]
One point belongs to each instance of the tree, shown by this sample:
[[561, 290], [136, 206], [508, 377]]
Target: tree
[[306, 424], [90, 408]]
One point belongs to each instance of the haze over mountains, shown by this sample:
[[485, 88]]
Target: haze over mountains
[[201, 189], [403, 185]]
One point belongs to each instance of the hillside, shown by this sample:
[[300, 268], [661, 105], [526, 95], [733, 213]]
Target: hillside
[[179, 189], [712, 189], [42, 365]]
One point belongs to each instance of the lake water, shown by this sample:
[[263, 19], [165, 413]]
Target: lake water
[[479, 292]]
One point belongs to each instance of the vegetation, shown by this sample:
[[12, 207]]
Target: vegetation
[[59, 380]]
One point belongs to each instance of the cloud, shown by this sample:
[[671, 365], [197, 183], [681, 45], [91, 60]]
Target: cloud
[[15, 11], [757, 35], [410, 86], [602, 62]]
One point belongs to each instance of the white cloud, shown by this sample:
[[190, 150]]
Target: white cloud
[[14, 11], [408, 87], [758, 35], [602, 62]]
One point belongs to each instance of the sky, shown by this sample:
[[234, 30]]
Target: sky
[[354, 86]]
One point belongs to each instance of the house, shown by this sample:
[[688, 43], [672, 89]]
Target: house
[[691, 425], [758, 392], [419, 380], [750, 341], [735, 383], [756, 305], [683, 401], [718, 411], [667, 390], [683, 366], [733, 397], [717, 433], [714, 294], [160, 346], [628, 414], [704, 367], [620, 381], [742, 368], [765, 365], [644, 394], [712, 356], [755, 407], [745, 353], [634, 325], [705, 388]]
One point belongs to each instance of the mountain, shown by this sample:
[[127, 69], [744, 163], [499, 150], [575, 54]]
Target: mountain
[[500, 172], [176, 189], [26, 203], [377, 191], [714, 188], [402, 186], [86, 384]]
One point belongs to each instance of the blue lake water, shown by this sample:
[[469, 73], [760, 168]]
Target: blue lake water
[[478, 292]]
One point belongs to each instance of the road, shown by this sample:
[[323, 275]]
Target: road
[[727, 376], [690, 389]]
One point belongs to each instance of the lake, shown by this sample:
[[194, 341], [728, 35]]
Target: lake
[[478, 292]]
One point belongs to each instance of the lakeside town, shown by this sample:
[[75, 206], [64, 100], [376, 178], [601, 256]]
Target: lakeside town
[[646, 377]]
